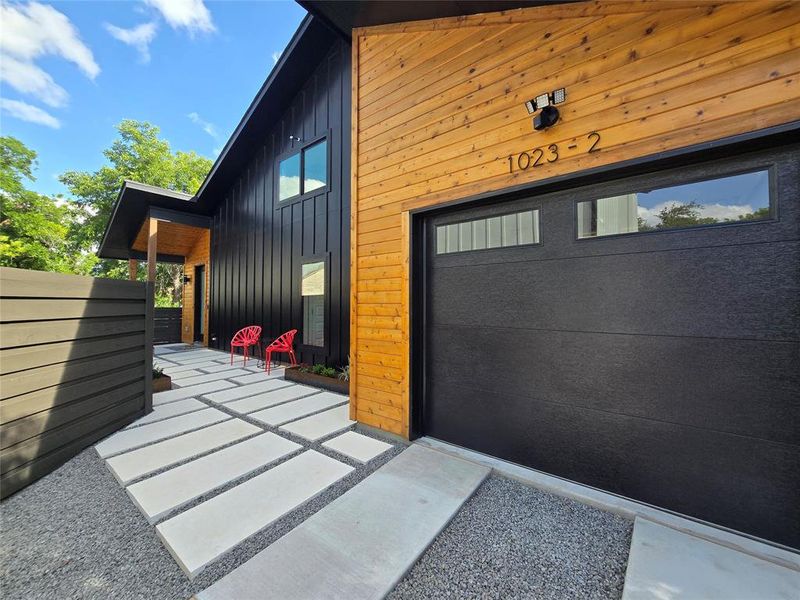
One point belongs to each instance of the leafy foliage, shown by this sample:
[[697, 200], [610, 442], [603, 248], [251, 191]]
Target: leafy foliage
[[344, 372], [57, 234], [138, 155], [318, 369], [682, 215], [34, 229]]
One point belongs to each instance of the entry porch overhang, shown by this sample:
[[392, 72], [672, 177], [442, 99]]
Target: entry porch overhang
[[175, 220]]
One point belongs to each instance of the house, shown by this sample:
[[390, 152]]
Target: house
[[570, 233], [275, 206]]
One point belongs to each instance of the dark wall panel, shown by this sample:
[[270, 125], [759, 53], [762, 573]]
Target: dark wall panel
[[257, 244], [75, 366], [167, 325], [662, 366]]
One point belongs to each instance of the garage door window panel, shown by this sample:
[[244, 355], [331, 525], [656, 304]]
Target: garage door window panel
[[740, 198], [504, 231]]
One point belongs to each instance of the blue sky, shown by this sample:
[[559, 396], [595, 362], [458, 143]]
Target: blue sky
[[72, 70]]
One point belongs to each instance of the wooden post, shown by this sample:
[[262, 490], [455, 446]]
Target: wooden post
[[133, 268], [152, 249], [149, 326]]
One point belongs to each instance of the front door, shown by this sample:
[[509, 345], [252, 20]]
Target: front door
[[199, 302]]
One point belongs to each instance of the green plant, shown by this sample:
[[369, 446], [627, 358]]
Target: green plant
[[158, 372], [344, 372], [319, 369]]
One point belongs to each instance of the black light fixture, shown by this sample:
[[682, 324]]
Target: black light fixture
[[544, 102], [547, 118], [187, 279]]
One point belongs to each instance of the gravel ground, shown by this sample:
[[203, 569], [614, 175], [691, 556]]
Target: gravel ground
[[76, 534], [513, 541]]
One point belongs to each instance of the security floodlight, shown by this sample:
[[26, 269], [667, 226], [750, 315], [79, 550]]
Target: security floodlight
[[547, 118]]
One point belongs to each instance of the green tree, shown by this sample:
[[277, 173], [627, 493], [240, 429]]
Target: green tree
[[138, 154], [757, 215], [34, 229], [682, 215]]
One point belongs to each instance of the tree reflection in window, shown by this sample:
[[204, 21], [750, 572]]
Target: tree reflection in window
[[732, 199]]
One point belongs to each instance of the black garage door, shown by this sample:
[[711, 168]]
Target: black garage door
[[640, 336]]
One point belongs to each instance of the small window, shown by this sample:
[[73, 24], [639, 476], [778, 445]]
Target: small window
[[516, 229], [289, 185], [304, 171], [312, 291], [734, 199]]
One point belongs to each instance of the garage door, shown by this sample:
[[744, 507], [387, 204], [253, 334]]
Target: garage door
[[640, 336]]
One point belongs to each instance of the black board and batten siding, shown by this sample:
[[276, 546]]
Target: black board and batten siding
[[167, 325], [258, 244], [75, 366]]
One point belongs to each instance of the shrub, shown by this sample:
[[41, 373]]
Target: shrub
[[318, 369], [158, 372]]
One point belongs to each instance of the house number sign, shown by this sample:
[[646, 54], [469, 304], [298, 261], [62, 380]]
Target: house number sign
[[538, 157]]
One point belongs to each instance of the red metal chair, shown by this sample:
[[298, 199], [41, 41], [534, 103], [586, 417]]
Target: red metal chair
[[282, 344], [244, 338]]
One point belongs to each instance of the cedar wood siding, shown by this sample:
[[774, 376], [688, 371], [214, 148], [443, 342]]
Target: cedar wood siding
[[257, 246], [438, 109], [199, 255]]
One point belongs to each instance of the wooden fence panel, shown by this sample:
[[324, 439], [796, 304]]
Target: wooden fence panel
[[75, 366], [167, 325]]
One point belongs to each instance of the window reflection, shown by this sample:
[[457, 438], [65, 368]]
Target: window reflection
[[312, 291], [731, 199], [289, 184], [315, 167]]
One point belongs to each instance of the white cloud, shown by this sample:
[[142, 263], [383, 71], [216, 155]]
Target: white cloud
[[27, 33], [276, 56], [204, 125], [34, 30], [138, 37], [27, 78], [192, 15], [28, 112]]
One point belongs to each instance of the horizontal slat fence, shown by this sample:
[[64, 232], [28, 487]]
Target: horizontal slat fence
[[167, 325], [75, 365]]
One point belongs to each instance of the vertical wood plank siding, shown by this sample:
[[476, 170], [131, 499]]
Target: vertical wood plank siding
[[74, 367], [439, 108], [257, 243], [199, 255]]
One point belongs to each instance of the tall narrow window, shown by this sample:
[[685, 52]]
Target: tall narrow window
[[312, 291]]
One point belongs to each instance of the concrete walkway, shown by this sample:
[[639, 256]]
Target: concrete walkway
[[361, 544], [229, 451], [668, 564]]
